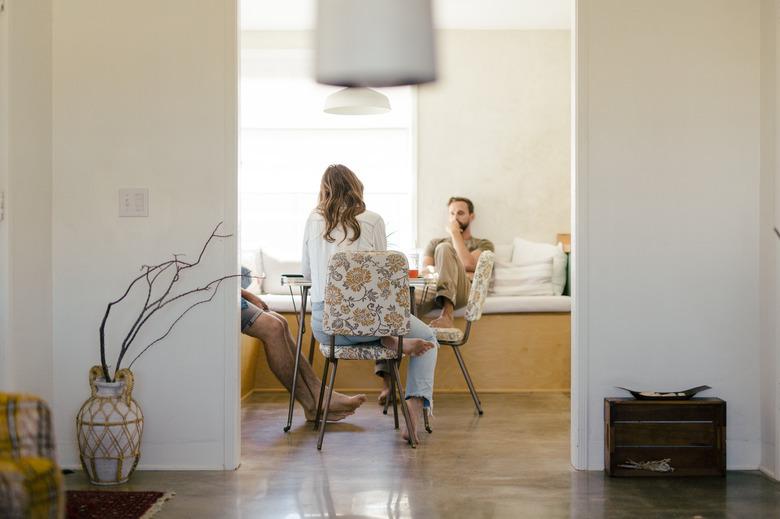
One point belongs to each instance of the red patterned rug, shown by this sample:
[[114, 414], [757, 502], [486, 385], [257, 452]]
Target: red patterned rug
[[99, 504]]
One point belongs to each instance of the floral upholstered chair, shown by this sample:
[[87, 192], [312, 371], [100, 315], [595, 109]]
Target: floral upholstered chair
[[367, 295], [30, 480], [456, 337]]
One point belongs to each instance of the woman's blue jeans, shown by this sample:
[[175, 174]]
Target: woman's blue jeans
[[419, 377]]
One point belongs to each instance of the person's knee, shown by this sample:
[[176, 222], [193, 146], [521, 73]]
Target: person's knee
[[281, 319], [444, 248], [267, 327], [279, 327]]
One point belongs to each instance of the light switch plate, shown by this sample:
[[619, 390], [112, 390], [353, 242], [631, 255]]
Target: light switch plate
[[134, 202]]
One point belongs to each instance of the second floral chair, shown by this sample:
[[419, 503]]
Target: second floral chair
[[367, 295], [455, 337]]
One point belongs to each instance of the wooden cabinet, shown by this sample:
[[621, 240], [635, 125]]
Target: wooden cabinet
[[691, 434]]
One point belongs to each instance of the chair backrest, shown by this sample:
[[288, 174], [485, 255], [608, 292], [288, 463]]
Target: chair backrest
[[479, 285], [367, 294], [25, 427]]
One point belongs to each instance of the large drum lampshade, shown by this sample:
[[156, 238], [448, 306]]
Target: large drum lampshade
[[375, 43]]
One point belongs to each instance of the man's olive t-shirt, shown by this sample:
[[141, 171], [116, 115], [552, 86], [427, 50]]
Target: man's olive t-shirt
[[472, 244]]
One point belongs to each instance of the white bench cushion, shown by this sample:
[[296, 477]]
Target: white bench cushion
[[493, 304]]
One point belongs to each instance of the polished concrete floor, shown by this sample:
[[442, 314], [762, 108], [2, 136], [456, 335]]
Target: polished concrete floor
[[512, 462]]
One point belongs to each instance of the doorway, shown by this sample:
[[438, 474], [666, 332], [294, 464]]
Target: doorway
[[273, 49]]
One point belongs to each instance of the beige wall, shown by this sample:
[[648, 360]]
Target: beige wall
[[669, 177], [496, 128], [26, 175]]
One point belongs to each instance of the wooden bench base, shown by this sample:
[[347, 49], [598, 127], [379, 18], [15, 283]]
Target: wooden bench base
[[506, 353]]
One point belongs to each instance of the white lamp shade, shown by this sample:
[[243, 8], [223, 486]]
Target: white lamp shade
[[357, 101], [375, 43]]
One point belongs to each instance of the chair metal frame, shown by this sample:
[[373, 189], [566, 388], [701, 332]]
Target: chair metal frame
[[396, 389], [456, 349], [485, 256]]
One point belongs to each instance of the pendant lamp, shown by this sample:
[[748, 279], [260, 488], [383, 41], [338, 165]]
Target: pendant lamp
[[375, 43], [357, 101]]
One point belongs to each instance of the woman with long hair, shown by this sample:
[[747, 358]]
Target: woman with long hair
[[341, 222]]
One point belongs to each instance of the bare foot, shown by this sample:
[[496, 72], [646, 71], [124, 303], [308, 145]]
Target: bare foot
[[341, 406], [443, 321], [383, 396], [415, 406], [343, 403], [411, 347], [332, 416]]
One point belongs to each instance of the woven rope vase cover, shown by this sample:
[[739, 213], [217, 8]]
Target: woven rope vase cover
[[109, 427]]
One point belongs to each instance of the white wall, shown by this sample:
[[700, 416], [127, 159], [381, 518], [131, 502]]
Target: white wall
[[496, 123], [145, 96], [25, 236], [768, 240], [5, 372], [669, 171], [775, 309]]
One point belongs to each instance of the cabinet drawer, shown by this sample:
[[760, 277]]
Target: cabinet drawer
[[660, 434], [661, 412], [686, 461]]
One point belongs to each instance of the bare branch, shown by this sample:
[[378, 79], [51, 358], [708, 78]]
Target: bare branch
[[149, 284], [151, 307], [108, 311], [146, 307], [214, 293], [207, 287], [189, 265]]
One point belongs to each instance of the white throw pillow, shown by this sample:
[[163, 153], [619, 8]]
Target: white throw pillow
[[274, 268], [531, 279], [526, 252]]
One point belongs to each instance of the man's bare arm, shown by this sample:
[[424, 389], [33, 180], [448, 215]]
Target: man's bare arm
[[427, 261], [469, 263], [249, 296], [476, 254]]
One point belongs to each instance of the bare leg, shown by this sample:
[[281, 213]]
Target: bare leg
[[339, 403], [385, 389], [306, 373], [445, 319], [415, 405], [274, 335], [453, 286]]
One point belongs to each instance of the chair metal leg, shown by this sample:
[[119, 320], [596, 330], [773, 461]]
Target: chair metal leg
[[427, 422], [385, 376], [311, 347], [322, 394], [298, 345], [324, 421], [465, 371], [404, 407], [391, 398]]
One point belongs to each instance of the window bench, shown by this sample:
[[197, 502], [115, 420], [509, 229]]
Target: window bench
[[522, 343]]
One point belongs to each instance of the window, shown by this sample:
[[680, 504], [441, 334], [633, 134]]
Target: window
[[287, 141]]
